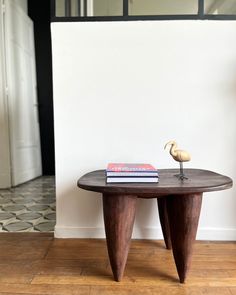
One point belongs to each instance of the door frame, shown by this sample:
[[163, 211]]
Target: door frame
[[5, 160]]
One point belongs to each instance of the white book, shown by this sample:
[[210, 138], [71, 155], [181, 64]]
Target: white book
[[132, 179], [139, 174]]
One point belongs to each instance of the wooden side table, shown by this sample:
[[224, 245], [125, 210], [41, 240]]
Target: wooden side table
[[179, 204]]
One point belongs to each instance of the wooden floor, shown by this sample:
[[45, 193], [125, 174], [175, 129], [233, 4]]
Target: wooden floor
[[38, 264]]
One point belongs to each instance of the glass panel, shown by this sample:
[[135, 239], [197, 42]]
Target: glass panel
[[163, 7], [60, 7], [89, 7], [67, 8], [220, 7], [107, 7]]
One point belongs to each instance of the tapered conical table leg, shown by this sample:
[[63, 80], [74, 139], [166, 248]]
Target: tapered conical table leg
[[164, 221], [119, 214], [183, 215]]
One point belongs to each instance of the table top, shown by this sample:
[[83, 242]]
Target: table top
[[198, 181]]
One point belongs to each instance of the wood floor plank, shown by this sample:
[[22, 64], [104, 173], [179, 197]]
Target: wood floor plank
[[19, 293], [16, 278], [44, 289], [151, 280], [116, 290], [232, 273], [24, 247], [232, 291], [214, 265]]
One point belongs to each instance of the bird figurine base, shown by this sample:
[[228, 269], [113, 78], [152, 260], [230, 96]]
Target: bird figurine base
[[181, 176]]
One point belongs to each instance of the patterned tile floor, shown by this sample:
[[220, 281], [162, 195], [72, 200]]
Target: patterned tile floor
[[29, 207]]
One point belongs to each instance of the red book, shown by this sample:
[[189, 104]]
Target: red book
[[129, 169]]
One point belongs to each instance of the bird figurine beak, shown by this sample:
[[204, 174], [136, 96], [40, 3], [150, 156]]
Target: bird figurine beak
[[169, 143], [166, 145]]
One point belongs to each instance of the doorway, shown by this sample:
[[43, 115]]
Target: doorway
[[28, 204], [39, 12]]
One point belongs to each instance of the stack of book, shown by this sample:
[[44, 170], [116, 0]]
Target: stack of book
[[126, 172]]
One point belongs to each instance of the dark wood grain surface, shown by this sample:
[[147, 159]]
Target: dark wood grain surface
[[198, 181], [183, 215], [119, 215], [164, 220]]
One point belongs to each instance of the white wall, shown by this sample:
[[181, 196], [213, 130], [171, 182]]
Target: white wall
[[121, 91]]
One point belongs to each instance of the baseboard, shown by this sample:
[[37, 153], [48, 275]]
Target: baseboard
[[210, 234], [216, 234], [68, 232]]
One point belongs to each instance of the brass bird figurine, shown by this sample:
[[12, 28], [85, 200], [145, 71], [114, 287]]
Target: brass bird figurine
[[179, 156]]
